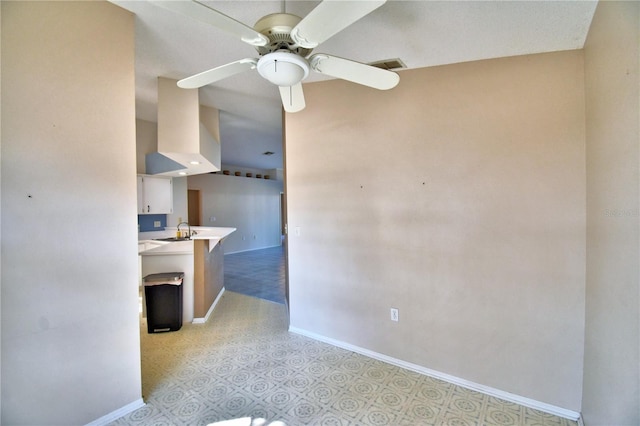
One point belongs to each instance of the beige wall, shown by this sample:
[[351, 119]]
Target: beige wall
[[251, 205], [458, 198], [70, 327], [146, 142], [611, 374]]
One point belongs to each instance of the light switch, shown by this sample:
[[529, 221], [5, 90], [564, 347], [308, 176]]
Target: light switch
[[156, 224]]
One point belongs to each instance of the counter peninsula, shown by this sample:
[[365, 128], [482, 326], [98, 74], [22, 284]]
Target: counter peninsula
[[200, 258]]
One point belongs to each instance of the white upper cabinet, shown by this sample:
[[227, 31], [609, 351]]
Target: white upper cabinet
[[155, 195]]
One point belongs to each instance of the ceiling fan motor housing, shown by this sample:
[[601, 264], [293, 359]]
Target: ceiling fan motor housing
[[282, 68], [277, 28]]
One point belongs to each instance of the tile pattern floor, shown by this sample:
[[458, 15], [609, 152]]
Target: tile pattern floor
[[244, 363]]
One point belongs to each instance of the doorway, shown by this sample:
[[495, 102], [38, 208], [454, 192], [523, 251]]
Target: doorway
[[193, 207]]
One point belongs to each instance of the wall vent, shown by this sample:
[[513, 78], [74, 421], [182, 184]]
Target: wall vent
[[389, 64]]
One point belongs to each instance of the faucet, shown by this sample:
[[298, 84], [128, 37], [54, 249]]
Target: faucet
[[189, 227]]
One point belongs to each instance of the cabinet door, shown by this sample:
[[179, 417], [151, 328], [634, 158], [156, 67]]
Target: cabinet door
[[157, 195]]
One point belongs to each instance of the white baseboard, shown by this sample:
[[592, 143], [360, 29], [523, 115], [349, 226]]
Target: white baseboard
[[210, 311], [253, 249], [527, 402], [115, 415]]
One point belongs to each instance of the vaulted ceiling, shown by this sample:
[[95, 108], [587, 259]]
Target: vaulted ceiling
[[420, 33]]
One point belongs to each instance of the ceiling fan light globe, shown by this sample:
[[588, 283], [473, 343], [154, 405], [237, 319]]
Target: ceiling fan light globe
[[283, 69]]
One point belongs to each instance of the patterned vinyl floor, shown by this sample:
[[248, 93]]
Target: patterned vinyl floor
[[244, 363]]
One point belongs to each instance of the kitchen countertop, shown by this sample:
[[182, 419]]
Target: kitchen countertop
[[148, 245]]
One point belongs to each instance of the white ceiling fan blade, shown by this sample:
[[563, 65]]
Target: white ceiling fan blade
[[329, 18], [204, 13], [217, 74], [354, 71], [292, 98]]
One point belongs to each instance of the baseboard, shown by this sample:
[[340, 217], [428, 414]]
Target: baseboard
[[115, 415], [210, 311], [527, 402], [253, 249]]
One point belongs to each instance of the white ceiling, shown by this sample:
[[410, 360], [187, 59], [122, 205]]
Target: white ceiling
[[420, 33]]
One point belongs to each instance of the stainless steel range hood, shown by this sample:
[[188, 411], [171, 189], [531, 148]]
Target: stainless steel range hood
[[188, 133]]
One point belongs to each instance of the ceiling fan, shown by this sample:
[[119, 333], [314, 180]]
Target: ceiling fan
[[284, 43]]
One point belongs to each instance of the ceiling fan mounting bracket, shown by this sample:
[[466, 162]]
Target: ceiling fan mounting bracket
[[277, 28]]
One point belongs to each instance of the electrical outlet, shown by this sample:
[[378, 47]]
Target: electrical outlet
[[395, 316], [244, 238], [156, 224], [212, 219], [254, 237]]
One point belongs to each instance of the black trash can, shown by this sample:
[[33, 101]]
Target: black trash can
[[163, 296]]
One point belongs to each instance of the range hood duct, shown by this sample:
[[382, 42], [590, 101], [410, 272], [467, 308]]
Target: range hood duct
[[188, 133]]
